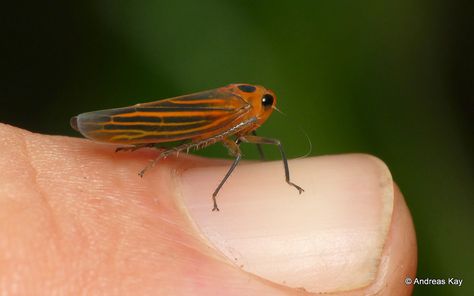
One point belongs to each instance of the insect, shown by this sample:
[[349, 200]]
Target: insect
[[229, 114]]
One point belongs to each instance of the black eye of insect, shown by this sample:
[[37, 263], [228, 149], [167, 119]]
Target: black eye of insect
[[267, 100]]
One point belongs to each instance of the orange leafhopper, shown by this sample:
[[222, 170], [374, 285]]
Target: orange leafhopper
[[228, 114]]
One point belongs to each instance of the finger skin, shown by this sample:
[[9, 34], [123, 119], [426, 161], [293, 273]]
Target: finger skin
[[77, 219]]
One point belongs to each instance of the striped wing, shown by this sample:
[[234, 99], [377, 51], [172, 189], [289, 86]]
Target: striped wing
[[188, 117]]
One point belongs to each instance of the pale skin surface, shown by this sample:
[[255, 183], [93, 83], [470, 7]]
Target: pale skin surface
[[75, 219]]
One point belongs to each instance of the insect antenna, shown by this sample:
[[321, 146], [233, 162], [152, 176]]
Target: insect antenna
[[308, 139]]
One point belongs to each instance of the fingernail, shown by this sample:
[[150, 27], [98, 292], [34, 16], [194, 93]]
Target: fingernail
[[329, 238]]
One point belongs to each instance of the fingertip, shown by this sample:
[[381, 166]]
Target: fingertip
[[350, 230], [329, 239]]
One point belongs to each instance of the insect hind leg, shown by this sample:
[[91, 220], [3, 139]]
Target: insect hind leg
[[134, 147], [164, 154]]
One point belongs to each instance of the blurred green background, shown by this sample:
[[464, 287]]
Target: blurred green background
[[393, 79]]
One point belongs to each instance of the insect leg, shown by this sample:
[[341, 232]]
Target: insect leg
[[134, 147], [234, 149], [163, 155], [259, 147], [261, 140]]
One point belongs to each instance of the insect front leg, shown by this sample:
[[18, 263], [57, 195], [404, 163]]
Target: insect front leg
[[234, 150], [262, 140], [259, 148]]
